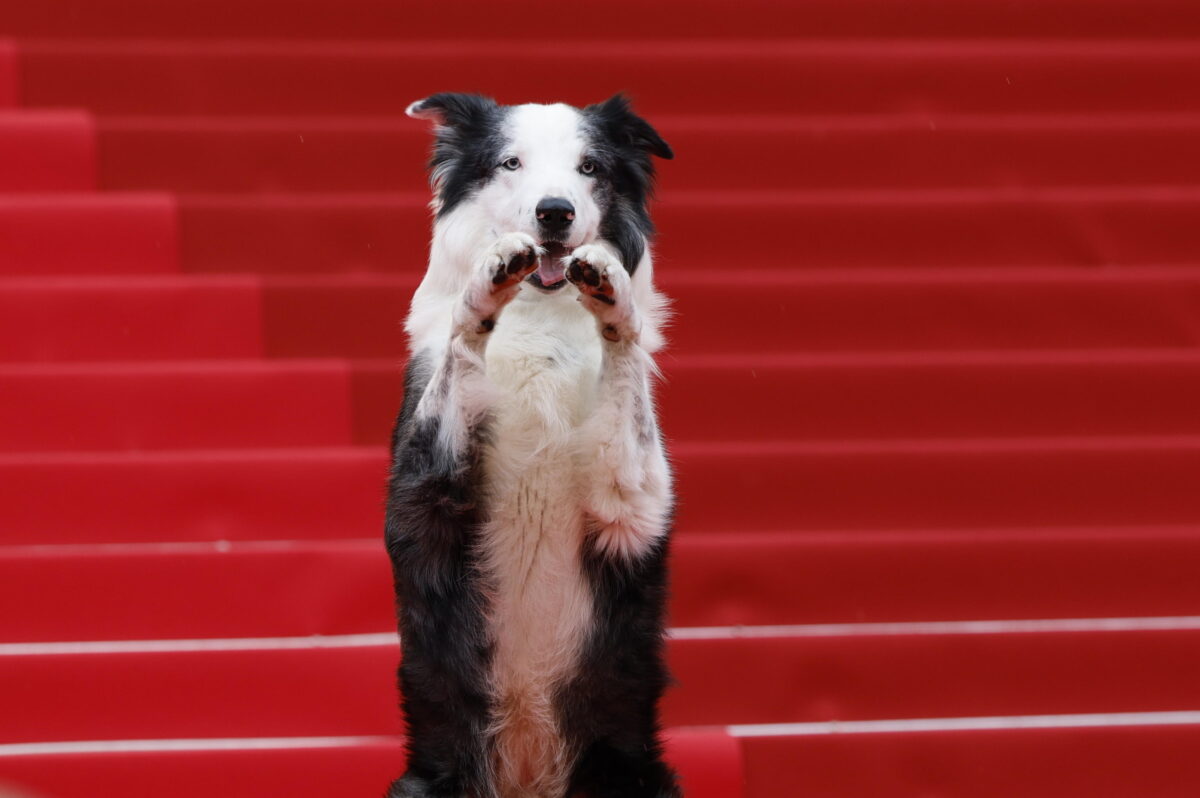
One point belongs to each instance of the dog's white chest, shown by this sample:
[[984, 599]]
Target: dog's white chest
[[543, 365]]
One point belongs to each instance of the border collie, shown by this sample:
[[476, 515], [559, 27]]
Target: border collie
[[530, 497]]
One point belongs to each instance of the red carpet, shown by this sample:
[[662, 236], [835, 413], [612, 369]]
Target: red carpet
[[932, 385]]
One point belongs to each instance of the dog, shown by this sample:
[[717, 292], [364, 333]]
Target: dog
[[530, 496]]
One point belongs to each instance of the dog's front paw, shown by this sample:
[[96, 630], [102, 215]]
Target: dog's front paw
[[604, 289], [510, 260], [498, 279]]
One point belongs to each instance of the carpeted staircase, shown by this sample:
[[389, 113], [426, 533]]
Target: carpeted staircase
[[933, 391]]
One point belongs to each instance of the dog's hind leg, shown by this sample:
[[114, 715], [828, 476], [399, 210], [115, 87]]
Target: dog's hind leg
[[607, 772], [433, 516], [609, 711]]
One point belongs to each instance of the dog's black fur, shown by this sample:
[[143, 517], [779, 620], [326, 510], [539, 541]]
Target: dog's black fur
[[433, 515], [622, 143], [436, 504], [468, 145]]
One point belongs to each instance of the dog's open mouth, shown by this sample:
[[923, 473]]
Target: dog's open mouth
[[549, 274]]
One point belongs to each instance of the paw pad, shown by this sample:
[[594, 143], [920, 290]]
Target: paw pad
[[519, 265], [588, 279]]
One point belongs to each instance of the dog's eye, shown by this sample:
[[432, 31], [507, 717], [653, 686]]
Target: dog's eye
[[588, 167], [511, 164]]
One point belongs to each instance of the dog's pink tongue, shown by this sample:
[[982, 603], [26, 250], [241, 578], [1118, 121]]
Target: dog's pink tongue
[[550, 269]]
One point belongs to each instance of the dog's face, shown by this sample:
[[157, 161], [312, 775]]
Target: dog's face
[[563, 175]]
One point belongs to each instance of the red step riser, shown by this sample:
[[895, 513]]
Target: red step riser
[[354, 233], [295, 589], [265, 590], [972, 396], [220, 317], [923, 485], [248, 405], [81, 234], [324, 315], [296, 494], [306, 155], [9, 74], [781, 578], [357, 317], [74, 319], [219, 405], [306, 494], [904, 311], [381, 19], [350, 691], [897, 310], [782, 680], [164, 77], [373, 233], [47, 151], [1052, 763], [1157, 761], [708, 763], [299, 773], [1085, 396], [912, 676]]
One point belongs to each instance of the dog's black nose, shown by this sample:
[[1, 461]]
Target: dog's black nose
[[555, 214]]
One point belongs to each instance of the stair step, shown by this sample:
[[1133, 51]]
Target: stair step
[[981, 395], [203, 404], [250, 688], [135, 233], [937, 484], [1095, 756], [47, 151], [298, 588], [358, 316], [855, 76], [934, 395], [1080, 761], [247, 404], [354, 233], [225, 316], [372, 232], [380, 19], [44, 234], [708, 761], [338, 492], [797, 310], [131, 318], [773, 152], [9, 83]]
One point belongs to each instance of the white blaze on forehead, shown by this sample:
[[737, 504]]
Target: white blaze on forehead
[[547, 138]]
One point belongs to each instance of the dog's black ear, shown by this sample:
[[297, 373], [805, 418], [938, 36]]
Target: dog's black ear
[[455, 110], [616, 118]]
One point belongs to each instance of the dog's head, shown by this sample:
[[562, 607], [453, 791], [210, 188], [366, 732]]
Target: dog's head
[[566, 176]]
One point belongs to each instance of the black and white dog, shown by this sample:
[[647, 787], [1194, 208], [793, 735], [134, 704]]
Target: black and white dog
[[530, 495]]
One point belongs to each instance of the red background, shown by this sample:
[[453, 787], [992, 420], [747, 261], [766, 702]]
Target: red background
[[935, 264]]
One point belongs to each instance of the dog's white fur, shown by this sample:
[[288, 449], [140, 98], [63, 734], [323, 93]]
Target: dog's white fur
[[565, 380]]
